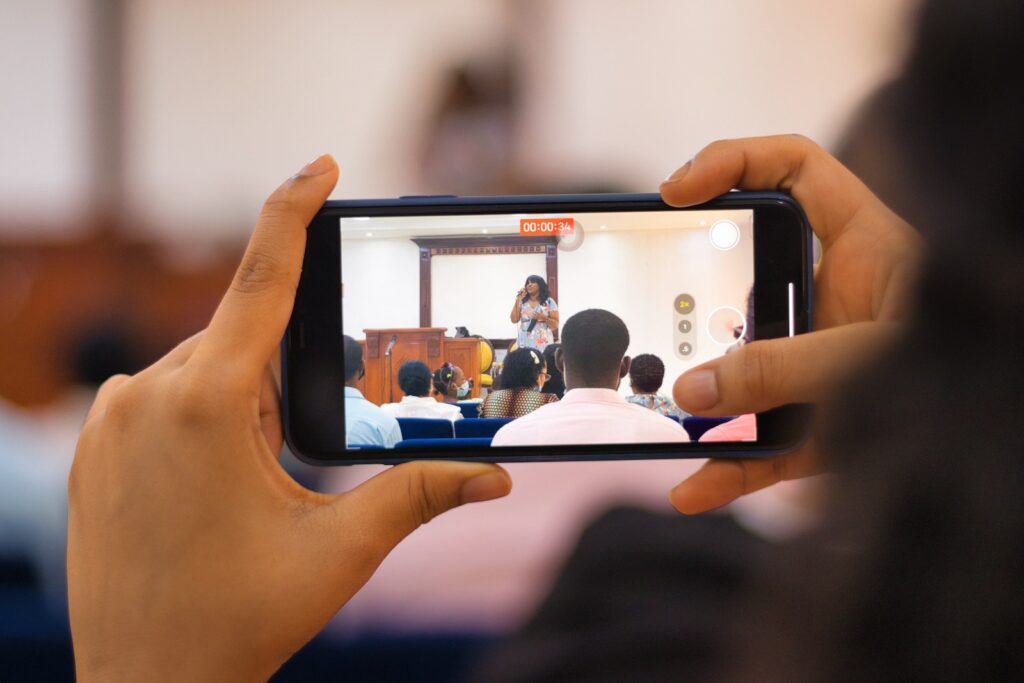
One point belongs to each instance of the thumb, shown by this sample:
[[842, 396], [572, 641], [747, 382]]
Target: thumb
[[251, 318], [766, 374], [393, 504]]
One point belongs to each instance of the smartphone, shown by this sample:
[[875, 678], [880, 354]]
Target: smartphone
[[471, 292]]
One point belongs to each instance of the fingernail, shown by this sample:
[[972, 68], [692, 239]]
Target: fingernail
[[679, 173], [322, 164], [485, 487], [698, 390]]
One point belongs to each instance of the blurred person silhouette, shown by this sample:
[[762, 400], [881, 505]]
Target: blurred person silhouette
[[523, 373], [416, 381], [914, 571]]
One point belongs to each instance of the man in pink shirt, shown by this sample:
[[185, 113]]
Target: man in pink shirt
[[592, 360], [742, 428]]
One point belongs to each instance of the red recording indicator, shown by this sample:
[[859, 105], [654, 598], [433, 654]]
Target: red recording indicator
[[546, 226]]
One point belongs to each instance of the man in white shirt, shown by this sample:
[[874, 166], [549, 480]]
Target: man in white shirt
[[415, 380], [593, 362], [365, 423]]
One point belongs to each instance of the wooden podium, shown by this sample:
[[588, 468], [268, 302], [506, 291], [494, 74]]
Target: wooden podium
[[427, 344]]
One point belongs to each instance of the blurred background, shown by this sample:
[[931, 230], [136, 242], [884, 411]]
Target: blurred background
[[138, 140]]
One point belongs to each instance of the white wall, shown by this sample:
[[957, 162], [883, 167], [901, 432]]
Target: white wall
[[44, 116], [638, 277], [478, 291], [382, 285]]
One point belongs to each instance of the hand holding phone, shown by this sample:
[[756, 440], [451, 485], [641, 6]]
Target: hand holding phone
[[186, 538], [869, 255], [688, 284]]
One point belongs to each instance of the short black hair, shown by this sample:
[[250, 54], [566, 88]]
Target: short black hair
[[647, 372], [353, 357], [521, 369], [593, 344], [414, 378]]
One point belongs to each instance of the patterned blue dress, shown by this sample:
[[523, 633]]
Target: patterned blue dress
[[542, 334]]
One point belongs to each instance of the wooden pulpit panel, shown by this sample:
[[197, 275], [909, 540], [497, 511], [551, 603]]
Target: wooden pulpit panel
[[427, 344]]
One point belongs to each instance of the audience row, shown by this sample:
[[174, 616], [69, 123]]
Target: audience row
[[566, 395]]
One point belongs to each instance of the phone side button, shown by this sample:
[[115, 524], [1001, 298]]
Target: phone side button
[[429, 196]]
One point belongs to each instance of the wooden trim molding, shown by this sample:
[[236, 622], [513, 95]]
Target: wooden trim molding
[[499, 245]]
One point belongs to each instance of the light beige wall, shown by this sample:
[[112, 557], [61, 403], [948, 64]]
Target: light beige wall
[[225, 99]]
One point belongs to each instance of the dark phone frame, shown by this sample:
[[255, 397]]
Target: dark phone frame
[[312, 372]]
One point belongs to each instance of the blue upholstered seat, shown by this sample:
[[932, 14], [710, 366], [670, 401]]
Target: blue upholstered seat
[[425, 428], [479, 427]]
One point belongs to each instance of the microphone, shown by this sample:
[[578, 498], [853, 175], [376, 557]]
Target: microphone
[[533, 324], [391, 345]]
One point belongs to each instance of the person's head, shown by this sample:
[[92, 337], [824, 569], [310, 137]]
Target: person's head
[[593, 353], [414, 378], [523, 369], [646, 373], [353, 356], [554, 374], [536, 286], [102, 351], [927, 479], [450, 381]]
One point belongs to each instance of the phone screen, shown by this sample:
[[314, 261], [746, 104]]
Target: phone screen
[[498, 330]]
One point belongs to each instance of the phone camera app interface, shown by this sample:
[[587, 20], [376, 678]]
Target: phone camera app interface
[[482, 331]]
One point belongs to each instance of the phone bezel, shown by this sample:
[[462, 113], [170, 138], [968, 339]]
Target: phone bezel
[[312, 375]]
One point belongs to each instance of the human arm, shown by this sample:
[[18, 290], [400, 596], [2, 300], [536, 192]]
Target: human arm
[[517, 308], [551, 315], [869, 256], [192, 555]]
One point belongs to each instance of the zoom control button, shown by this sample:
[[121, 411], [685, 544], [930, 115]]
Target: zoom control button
[[683, 304]]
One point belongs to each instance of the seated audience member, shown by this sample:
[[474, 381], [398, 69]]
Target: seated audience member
[[450, 383], [365, 423], [593, 362], [522, 376], [415, 380], [555, 384], [742, 428], [646, 373]]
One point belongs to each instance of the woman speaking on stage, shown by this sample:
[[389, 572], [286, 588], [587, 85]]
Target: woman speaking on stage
[[536, 313]]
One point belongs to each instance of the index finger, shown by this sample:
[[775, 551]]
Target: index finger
[[828, 192], [251, 318], [721, 480]]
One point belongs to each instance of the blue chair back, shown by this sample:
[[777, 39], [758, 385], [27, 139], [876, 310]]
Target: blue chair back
[[470, 408], [445, 443], [477, 427], [425, 428], [696, 426]]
